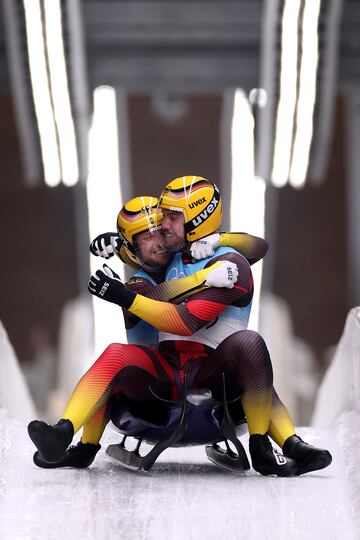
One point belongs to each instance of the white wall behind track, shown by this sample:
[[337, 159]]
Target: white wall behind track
[[14, 393]]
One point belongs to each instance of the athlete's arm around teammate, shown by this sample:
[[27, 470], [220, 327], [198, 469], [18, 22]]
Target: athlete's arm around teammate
[[190, 216]]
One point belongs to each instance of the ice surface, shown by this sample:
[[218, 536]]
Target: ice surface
[[348, 437], [186, 497]]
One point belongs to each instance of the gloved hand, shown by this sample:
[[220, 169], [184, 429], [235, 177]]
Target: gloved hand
[[104, 245], [225, 275], [201, 249], [107, 284]]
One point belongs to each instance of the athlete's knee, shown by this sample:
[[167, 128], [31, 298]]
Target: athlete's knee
[[250, 335], [113, 354], [249, 347], [114, 348], [246, 339]]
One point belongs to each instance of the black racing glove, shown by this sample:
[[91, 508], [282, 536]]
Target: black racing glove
[[107, 284], [105, 244]]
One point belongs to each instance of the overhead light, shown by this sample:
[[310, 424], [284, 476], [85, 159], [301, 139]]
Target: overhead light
[[258, 97], [60, 92], [307, 94], [41, 93], [247, 208], [104, 202], [288, 93]]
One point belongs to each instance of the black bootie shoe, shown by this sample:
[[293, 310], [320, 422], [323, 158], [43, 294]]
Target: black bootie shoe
[[266, 460], [79, 456], [308, 457], [51, 441]]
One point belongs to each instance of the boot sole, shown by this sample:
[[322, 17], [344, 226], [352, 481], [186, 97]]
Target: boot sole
[[282, 474], [40, 462]]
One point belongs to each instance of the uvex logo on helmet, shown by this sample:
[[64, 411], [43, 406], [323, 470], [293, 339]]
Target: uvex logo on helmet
[[196, 203], [205, 213]]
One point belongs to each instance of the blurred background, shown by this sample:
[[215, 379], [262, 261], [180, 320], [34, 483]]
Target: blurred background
[[104, 100]]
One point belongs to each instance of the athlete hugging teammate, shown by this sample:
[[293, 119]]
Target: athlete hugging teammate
[[204, 336]]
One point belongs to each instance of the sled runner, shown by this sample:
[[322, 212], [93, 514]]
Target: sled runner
[[197, 419]]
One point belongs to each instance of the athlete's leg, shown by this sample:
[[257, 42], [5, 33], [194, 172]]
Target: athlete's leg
[[244, 359], [94, 427], [303, 457], [137, 382], [282, 431], [281, 426], [113, 369], [83, 454], [117, 369]]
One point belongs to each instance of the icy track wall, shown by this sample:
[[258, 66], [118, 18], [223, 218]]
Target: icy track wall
[[14, 393], [338, 403], [340, 388]]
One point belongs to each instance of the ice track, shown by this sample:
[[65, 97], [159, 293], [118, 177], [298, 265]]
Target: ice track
[[186, 497]]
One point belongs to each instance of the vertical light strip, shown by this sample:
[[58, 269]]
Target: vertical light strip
[[78, 80], [247, 206], [242, 142], [41, 92], [104, 202], [269, 57], [307, 94], [288, 93], [326, 90], [60, 92], [32, 170]]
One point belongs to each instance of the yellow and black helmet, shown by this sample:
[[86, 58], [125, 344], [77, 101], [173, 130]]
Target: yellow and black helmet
[[138, 215], [199, 200]]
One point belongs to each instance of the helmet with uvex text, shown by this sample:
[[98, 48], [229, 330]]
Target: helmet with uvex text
[[138, 215], [200, 202]]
